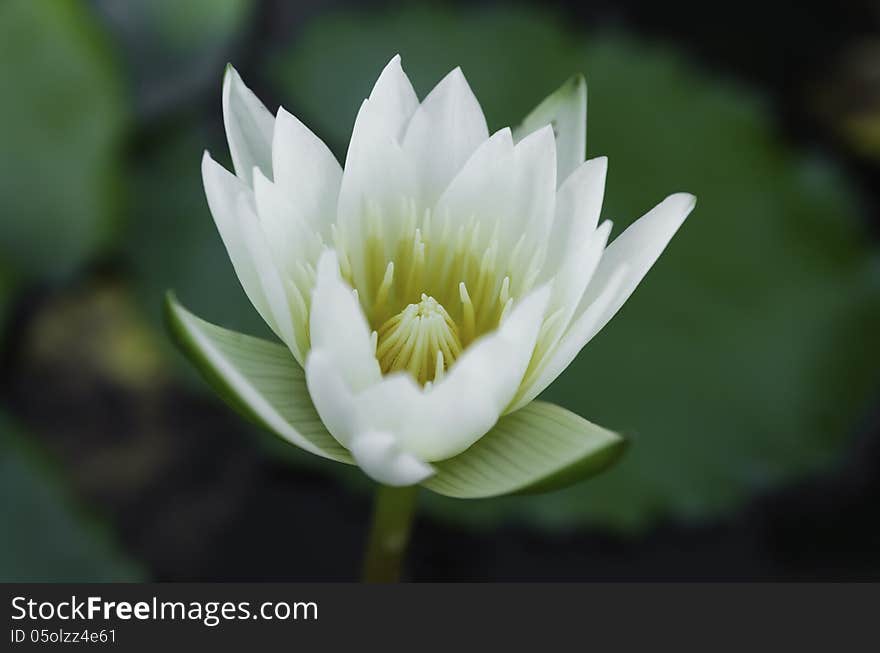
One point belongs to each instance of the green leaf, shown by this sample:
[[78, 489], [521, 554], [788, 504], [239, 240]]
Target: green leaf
[[747, 358], [46, 536], [538, 448], [258, 378], [566, 111], [62, 121]]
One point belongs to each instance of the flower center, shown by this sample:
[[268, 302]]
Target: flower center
[[422, 339]]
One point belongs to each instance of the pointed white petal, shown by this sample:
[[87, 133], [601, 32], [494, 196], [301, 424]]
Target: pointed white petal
[[331, 396], [289, 234], [294, 249], [338, 327], [514, 186], [230, 201], [569, 346], [638, 248], [444, 132], [623, 265], [393, 101], [578, 205], [222, 190], [378, 179], [378, 185], [379, 126], [306, 172], [249, 127], [446, 419], [535, 180], [570, 282], [485, 175], [377, 170], [378, 454], [566, 111], [271, 278]]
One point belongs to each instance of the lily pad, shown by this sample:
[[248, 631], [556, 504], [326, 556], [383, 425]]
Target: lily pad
[[63, 116], [47, 538], [748, 356]]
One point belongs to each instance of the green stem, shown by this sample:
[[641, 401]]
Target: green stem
[[393, 512]]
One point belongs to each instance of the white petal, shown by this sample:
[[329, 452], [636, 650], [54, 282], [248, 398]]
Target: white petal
[[375, 140], [230, 202], [514, 186], [638, 248], [444, 132], [573, 276], [295, 249], [555, 362], [485, 173], [377, 172], [249, 127], [393, 100], [535, 180], [338, 327], [378, 185], [289, 234], [446, 419], [393, 405], [306, 172], [223, 190], [271, 278], [378, 179], [378, 454], [331, 396], [623, 265], [578, 205], [572, 279]]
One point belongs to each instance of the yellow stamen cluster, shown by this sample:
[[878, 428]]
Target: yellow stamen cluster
[[422, 339]]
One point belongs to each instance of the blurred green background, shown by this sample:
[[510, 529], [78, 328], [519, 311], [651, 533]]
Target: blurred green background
[[745, 369]]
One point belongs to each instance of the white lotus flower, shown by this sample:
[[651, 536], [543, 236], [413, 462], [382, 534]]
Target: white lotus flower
[[438, 282]]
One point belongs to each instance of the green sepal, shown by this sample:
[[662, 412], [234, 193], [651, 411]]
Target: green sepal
[[565, 110], [260, 379], [539, 448]]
